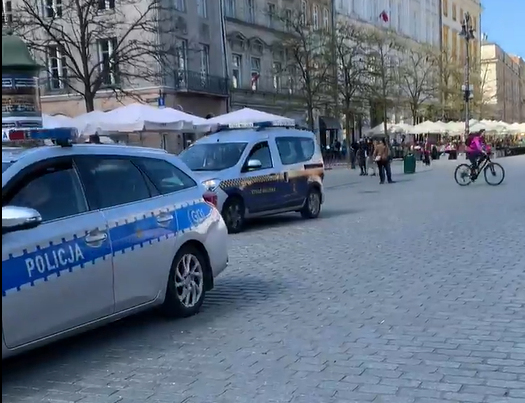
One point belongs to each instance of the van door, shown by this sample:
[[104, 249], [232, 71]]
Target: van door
[[261, 186], [58, 275]]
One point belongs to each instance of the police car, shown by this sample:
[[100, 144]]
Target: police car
[[92, 233], [259, 169]]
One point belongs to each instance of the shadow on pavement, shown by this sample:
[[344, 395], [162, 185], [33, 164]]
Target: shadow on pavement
[[283, 220], [117, 342]]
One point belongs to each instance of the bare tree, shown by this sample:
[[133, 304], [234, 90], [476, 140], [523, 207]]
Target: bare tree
[[485, 92], [308, 60], [451, 77], [94, 45], [350, 58], [382, 61], [419, 77]]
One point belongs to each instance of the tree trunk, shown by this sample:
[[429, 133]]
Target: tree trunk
[[89, 101]]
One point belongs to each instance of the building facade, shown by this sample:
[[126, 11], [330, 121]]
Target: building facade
[[195, 80], [257, 60], [416, 22], [521, 67], [502, 84], [452, 43]]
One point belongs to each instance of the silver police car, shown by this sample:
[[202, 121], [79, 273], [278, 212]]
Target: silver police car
[[259, 169], [92, 233]]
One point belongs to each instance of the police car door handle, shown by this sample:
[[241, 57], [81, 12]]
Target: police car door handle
[[96, 237], [164, 218]]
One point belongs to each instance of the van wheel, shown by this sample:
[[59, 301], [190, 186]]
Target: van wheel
[[186, 289], [312, 205], [233, 214]]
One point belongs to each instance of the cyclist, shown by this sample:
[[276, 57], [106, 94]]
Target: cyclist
[[476, 149]]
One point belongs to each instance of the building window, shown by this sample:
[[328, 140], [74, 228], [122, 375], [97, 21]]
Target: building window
[[304, 12], [454, 13], [7, 12], [272, 15], [445, 8], [106, 4], [57, 66], [205, 60], [182, 54], [461, 15], [202, 8], [180, 5], [288, 15], [291, 79], [326, 18], [277, 71], [250, 11], [108, 60], [315, 16], [53, 8], [475, 24], [229, 8], [236, 70], [255, 64]]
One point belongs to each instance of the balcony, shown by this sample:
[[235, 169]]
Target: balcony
[[199, 82]]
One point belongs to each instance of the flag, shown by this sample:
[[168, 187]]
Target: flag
[[255, 78], [384, 16]]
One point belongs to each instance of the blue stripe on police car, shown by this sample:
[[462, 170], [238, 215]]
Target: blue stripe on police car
[[51, 260]]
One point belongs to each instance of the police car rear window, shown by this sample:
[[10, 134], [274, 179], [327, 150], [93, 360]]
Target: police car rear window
[[212, 156], [5, 165]]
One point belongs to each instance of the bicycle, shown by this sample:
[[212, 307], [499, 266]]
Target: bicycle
[[466, 174]]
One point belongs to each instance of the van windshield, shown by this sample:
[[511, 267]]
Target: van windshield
[[212, 156]]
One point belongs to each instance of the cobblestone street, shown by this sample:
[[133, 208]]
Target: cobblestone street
[[405, 293]]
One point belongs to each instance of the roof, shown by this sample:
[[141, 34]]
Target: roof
[[248, 135], [12, 154], [15, 53]]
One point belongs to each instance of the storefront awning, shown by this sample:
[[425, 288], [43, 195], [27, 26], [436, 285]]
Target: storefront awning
[[328, 123]]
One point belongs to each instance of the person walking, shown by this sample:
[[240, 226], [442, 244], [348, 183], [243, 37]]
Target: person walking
[[361, 157], [370, 163], [382, 159]]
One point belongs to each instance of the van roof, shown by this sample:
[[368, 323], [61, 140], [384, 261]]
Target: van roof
[[249, 135]]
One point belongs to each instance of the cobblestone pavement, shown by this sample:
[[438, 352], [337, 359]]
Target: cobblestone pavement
[[413, 292]]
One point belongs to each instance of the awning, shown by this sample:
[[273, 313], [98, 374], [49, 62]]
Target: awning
[[328, 123]]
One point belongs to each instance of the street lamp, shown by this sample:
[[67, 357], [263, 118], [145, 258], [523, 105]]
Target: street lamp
[[467, 32]]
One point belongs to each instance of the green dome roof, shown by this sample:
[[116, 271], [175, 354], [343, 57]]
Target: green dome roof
[[15, 53]]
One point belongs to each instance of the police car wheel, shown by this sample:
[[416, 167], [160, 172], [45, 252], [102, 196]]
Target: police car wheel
[[312, 205], [233, 214], [186, 287]]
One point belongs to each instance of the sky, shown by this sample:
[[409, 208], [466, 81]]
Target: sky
[[503, 22]]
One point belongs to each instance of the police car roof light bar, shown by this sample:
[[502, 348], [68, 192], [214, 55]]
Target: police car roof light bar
[[62, 136], [255, 125]]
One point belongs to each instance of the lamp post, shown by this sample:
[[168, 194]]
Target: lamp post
[[467, 32]]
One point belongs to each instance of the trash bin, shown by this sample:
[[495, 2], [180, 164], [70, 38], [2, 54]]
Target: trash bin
[[409, 164]]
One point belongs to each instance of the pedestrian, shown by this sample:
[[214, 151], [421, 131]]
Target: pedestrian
[[382, 159], [370, 163], [361, 157], [353, 153]]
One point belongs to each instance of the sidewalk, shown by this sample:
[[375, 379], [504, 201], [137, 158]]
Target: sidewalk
[[343, 175]]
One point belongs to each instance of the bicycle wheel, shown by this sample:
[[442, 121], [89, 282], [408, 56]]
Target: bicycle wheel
[[462, 175], [494, 174]]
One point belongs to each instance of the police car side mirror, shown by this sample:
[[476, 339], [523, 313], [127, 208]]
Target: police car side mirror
[[19, 218], [253, 164]]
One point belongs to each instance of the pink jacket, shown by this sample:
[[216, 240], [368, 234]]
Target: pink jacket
[[476, 145]]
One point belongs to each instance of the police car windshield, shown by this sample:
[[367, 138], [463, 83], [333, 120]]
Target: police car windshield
[[212, 156]]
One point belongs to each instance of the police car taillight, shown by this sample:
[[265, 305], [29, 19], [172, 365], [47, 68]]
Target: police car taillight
[[211, 198]]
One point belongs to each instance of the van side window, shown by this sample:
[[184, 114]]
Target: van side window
[[293, 150], [261, 152]]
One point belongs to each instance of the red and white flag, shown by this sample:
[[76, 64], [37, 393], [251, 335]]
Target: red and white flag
[[384, 16], [255, 78]]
